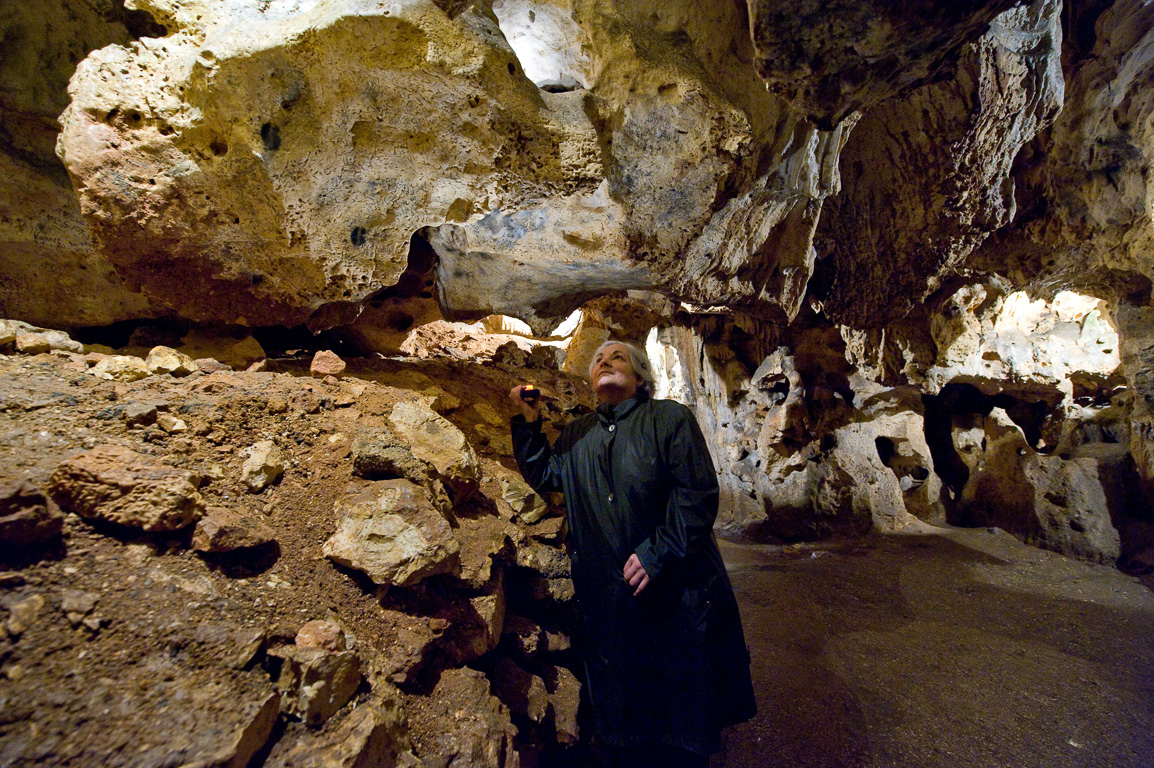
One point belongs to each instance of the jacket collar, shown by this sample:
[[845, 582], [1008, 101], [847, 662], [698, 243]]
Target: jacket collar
[[608, 414]]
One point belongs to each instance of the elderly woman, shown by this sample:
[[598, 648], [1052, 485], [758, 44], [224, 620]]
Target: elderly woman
[[666, 666]]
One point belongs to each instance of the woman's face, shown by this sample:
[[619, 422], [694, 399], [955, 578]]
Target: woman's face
[[612, 375]]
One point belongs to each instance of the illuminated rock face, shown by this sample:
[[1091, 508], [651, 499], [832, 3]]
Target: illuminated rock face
[[270, 165], [50, 271]]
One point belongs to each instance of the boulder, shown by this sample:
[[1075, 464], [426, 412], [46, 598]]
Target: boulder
[[528, 506], [438, 443], [393, 533], [168, 360], [315, 683], [326, 363], [117, 485], [474, 726]]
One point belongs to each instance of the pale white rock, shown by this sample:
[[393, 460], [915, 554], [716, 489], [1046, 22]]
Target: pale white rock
[[527, 504], [168, 360], [171, 424], [265, 465], [393, 533], [437, 442], [120, 368]]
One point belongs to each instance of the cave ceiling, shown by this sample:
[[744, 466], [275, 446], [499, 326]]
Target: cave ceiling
[[270, 163]]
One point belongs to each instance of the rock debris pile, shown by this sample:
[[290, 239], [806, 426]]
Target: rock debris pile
[[206, 566]]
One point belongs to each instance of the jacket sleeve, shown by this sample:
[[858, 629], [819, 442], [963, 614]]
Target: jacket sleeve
[[535, 456], [692, 507]]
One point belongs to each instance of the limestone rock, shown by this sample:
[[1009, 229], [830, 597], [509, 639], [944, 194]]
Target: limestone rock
[[1056, 503], [1009, 86], [315, 683], [393, 533], [117, 485], [326, 363], [265, 465], [168, 360], [369, 737], [238, 354], [441, 445], [379, 453], [77, 604], [171, 424], [120, 368], [527, 505], [224, 530], [27, 517], [564, 701], [475, 726], [139, 414]]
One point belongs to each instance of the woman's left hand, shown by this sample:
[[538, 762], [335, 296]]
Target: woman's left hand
[[635, 574]]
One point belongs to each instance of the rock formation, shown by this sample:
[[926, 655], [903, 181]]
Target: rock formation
[[896, 256]]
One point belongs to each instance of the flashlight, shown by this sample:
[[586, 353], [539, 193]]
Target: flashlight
[[529, 393]]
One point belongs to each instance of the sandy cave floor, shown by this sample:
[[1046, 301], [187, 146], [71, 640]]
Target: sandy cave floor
[[956, 648]]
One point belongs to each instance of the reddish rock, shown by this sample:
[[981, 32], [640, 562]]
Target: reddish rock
[[326, 363]]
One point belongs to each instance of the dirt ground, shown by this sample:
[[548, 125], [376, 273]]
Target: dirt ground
[[957, 648]]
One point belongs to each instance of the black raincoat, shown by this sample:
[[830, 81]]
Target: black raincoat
[[669, 666]]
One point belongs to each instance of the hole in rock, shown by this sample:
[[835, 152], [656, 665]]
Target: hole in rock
[[357, 236], [270, 136]]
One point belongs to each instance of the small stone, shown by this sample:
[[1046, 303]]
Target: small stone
[[264, 466], [168, 360], [211, 365], [93, 622], [22, 613], [249, 643], [257, 367], [277, 404], [321, 633], [120, 368], [326, 363], [223, 530], [171, 424], [77, 604], [27, 517], [331, 381], [32, 343], [139, 414]]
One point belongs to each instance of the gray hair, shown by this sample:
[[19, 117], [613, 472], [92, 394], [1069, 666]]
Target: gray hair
[[637, 359]]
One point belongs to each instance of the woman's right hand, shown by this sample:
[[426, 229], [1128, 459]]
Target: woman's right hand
[[531, 411]]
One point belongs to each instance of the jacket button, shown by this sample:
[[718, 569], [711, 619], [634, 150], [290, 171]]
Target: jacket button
[[611, 498], [612, 427]]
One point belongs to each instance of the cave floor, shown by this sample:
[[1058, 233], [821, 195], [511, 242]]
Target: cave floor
[[952, 648]]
